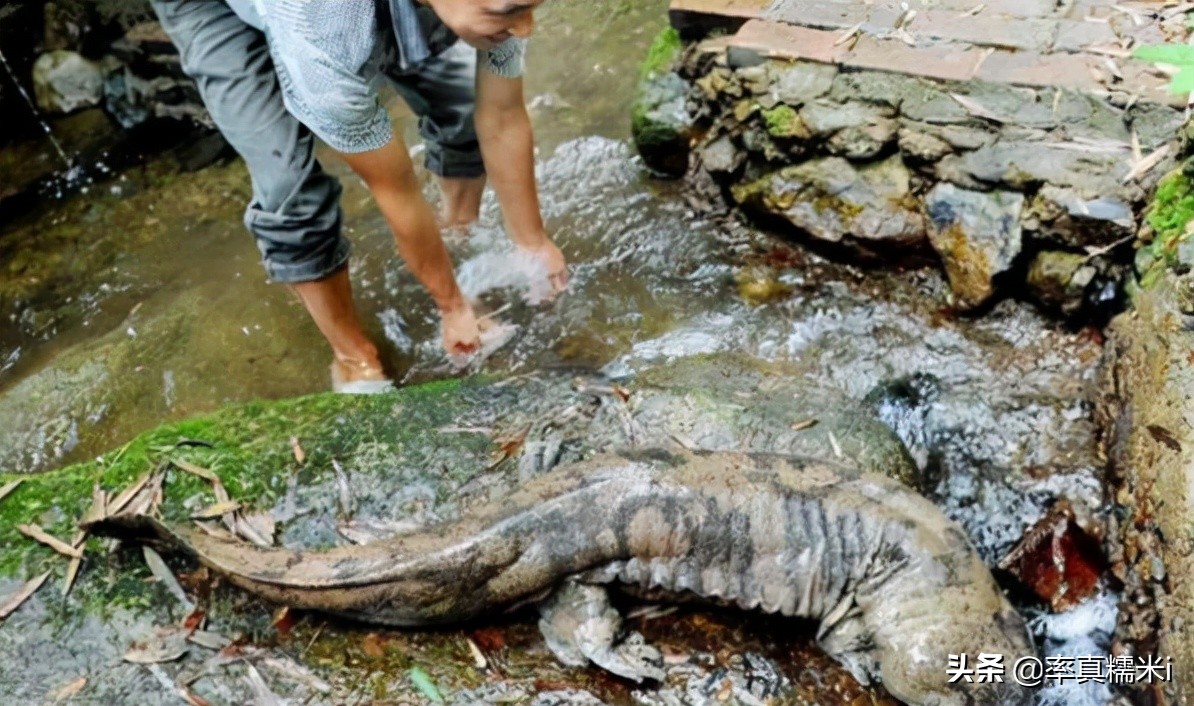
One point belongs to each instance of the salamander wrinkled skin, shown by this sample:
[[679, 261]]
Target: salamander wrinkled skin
[[895, 586]]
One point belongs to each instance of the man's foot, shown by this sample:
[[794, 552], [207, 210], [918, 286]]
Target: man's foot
[[462, 202], [353, 377]]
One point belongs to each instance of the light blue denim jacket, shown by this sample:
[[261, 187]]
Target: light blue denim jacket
[[329, 55]]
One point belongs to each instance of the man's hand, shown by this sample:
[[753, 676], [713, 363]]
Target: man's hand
[[390, 177], [553, 261], [462, 335], [507, 144]]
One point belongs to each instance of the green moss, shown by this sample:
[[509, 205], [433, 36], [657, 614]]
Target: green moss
[[783, 121], [1171, 210], [664, 51], [651, 133], [247, 446]]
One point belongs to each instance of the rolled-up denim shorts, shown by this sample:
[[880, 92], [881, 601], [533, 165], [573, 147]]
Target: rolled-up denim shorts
[[295, 213]]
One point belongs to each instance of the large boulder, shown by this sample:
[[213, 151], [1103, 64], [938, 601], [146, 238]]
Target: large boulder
[[834, 201], [64, 81], [977, 235]]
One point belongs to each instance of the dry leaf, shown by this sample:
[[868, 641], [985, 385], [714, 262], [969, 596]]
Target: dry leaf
[[147, 500], [9, 487], [191, 697], [211, 512], [510, 446], [478, 657], [258, 527], [374, 645], [15, 600], [72, 569], [343, 492], [299, 455], [194, 620], [1147, 164], [297, 672], [1165, 437], [120, 501], [489, 639], [215, 531], [204, 473], [977, 109], [166, 644], [162, 573], [98, 508], [837, 448], [38, 534], [209, 640], [221, 493], [262, 695], [70, 690], [283, 621]]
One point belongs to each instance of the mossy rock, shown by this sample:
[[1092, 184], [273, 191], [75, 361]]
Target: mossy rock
[[418, 455], [1169, 217], [660, 122]]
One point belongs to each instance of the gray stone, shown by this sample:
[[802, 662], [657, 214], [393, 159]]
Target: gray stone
[[1059, 279], [977, 235], [722, 156], [1155, 124], [832, 200], [922, 146], [1024, 165], [1065, 216], [802, 81], [63, 81], [1185, 253], [863, 141], [755, 79], [1021, 106], [824, 118], [952, 169]]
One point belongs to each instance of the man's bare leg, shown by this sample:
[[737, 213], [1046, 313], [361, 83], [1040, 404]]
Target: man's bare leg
[[329, 302], [462, 200]]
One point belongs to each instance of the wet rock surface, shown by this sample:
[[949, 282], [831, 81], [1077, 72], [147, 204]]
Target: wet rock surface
[[64, 81], [1147, 379], [1078, 155], [832, 201], [977, 236]]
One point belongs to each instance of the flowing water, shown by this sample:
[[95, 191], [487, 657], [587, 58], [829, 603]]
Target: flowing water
[[143, 301]]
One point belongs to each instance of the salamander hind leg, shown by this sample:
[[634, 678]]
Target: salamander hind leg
[[580, 626]]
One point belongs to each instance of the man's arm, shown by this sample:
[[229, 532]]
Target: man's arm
[[390, 176], [508, 148]]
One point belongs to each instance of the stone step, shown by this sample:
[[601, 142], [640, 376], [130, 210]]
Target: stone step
[[1082, 45]]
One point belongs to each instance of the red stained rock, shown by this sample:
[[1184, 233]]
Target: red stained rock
[[1058, 560]]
